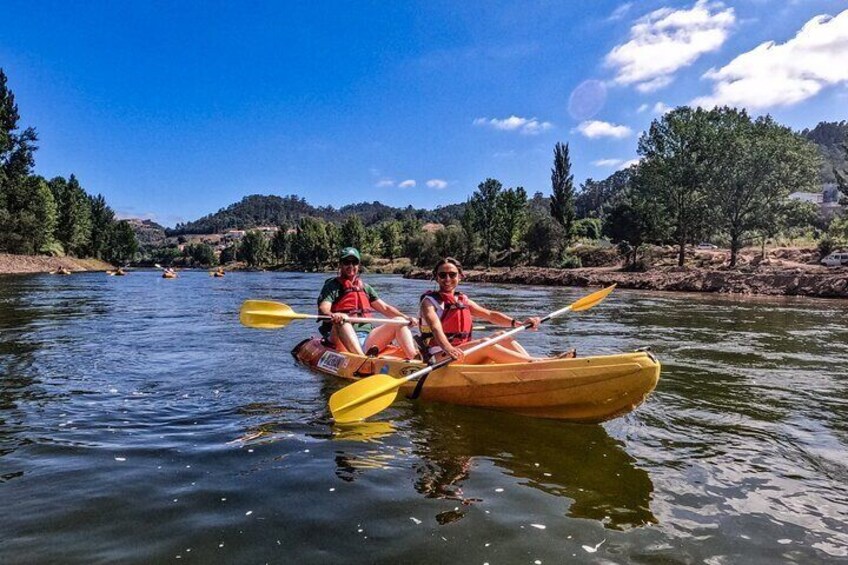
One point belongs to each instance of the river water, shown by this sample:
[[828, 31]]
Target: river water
[[139, 422]]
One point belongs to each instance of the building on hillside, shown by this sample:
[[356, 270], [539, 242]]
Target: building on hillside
[[267, 230], [814, 197], [233, 235]]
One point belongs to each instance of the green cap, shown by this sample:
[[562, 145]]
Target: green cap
[[349, 252]]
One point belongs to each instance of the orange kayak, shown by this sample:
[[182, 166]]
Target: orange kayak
[[583, 389]]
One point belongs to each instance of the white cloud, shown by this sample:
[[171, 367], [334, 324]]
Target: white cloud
[[526, 126], [409, 183], [594, 129], [642, 108], [628, 164], [438, 184], [620, 12], [661, 108], [384, 183], [667, 40], [607, 162], [784, 74]]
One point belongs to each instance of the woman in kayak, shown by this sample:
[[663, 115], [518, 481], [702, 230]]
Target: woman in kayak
[[446, 321], [347, 296]]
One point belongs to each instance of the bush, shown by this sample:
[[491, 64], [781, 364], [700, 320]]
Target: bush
[[594, 256], [570, 262], [367, 260], [826, 245]]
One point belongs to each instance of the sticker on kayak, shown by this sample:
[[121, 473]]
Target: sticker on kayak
[[332, 362]]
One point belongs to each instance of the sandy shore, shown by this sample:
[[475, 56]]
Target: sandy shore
[[11, 264], [813, 281]]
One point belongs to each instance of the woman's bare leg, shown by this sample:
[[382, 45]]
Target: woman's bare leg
[[383, 335]]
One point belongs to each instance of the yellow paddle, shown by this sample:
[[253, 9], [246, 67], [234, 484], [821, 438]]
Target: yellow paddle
[[371, 395], [270, 315]]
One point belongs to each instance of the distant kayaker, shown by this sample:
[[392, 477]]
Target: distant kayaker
[[347, 296], [447, 318]]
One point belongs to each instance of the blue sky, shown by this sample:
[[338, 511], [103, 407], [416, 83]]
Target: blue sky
[[175, 109]]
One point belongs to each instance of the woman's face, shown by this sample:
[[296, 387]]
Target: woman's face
[[447, 276]]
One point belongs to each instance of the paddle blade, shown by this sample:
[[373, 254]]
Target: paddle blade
[[591, 300], [364, 398], [267, 314]]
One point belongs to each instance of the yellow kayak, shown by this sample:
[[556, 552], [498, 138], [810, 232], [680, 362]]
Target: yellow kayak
[[583, 389]]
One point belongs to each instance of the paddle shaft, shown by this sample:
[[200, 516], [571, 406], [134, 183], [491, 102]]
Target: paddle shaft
[[390, 321]]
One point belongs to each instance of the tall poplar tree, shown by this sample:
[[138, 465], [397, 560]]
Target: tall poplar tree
[[562, 191]]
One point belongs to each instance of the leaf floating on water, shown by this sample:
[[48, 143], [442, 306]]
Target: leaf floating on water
[[590, 549], [539, 526], [415, 520], [449, 516]]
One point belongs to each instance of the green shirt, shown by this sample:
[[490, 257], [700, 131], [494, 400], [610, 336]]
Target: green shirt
[[332, 290]]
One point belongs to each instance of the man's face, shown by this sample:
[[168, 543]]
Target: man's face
[[349, 267]]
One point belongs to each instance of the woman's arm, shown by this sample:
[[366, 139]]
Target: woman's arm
[[429, 315], [499, 318]]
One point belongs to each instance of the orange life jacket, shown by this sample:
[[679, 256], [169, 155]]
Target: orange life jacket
[[455, 315], [352, 300]]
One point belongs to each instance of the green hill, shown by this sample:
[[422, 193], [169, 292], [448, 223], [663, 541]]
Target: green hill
[[829, 137]]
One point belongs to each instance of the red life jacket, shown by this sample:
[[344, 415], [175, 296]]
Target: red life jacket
[[454, 313], [352, 300]]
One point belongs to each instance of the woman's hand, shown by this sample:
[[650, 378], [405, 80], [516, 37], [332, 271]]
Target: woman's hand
[[339, 318], [413, 323], [534, 322], [455, 352]]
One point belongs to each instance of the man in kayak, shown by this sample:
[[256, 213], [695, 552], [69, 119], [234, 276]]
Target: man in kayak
[[447, 317], [347, 296]]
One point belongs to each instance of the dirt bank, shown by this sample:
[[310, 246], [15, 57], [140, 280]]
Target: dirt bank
[[10, 264], [810, 281]]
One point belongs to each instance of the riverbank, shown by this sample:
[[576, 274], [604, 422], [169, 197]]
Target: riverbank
[[776, 281], [18, 264]]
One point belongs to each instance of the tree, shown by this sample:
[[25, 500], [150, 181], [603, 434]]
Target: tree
[[353, 233], [676, 161], [448, 241], [562, 195], [485, 204], [281, 245], [200, 254], [758, 163], [594, 196], [513, 203], [254, 249], [842, 178], [122, 245], [23, 201], [538, 238], [102, 218], [588, 228], [74, 228], [28, 219], [635, 217], [310, 246], [390, 234]]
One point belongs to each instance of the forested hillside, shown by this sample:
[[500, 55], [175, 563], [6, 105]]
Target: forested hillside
[[829, 137]]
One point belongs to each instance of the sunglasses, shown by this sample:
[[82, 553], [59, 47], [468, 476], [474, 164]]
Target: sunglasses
[[350, 262], [445, 274]]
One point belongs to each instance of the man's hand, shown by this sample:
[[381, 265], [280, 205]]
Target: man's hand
[[339, 318]]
